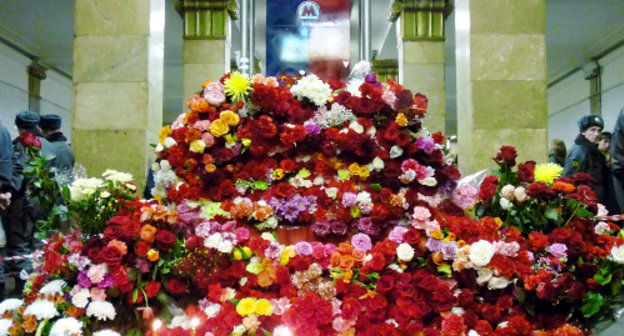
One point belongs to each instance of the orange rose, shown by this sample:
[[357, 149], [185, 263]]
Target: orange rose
[[334, 261], [346, 262], [345, 248], [148, 233], [359, 256], [262, 212], [153, 255], [119, 245]]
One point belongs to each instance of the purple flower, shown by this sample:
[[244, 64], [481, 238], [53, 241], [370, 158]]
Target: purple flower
[[366, 225], [449, 250], [188, 217], [558, 250], [338, 228], [531, 256], [107, 282], [371, 78], [303, 249], [433, 245], [361, 241], [290, 208], [313, 128], [397, 233], [83, 279], [426, 144], [349, 199], [448, 187], [321, 229]]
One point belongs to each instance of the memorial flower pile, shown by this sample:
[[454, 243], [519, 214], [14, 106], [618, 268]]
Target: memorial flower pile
[[290, 206]]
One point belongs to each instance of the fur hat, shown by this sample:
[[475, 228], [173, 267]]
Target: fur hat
[[50, 122], [589, 121], [26, 120]]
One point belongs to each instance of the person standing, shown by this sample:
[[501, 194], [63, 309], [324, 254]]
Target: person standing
[[50, 125], [604, 144], [584, 157], [617, 158], [6, 190], [557, 152], [23, 212]]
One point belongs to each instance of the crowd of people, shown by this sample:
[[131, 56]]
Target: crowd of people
[[20, 211]]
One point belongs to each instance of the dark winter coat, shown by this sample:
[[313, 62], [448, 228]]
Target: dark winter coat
[[584, 157], [64, 154], [617, 158]]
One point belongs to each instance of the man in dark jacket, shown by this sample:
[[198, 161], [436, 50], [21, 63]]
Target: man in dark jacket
[[6, 189], [50, 125], [584, 157], [23, 212], [617, 158]]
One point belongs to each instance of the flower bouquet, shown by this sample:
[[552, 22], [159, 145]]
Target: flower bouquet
[[392, 244]]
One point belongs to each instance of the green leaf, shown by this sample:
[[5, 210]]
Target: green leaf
[[261, 185], [583, 212], [266, 333], [376, 186], [445, 269], [135, 295], [234, 301], [592, 304], [133, 332], [373, 275], [304, 173], [603, 277], [552, 214]]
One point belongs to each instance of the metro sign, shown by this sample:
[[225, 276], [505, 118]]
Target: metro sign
[[308, 11]]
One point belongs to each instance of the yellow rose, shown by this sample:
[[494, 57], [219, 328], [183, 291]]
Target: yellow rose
[[229, 118], [197, 146], [264, 307], [278, 174], [364, 172], [153, 255], [246, 306], [164, 133], [354, 169], [218, 128], [237, 255], [401, 120]]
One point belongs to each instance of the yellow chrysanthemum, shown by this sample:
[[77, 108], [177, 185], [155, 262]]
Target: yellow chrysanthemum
[[547, 172], [236, 86], [401, 120], [264, 307], [164, 133], [246, 306]]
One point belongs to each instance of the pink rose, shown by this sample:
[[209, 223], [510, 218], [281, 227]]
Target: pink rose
[[215, 98]]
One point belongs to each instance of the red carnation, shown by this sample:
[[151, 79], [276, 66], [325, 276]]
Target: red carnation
[[152, 288], [111, 256], [488, 188], [541, 190], [165, 240], [453, 325]]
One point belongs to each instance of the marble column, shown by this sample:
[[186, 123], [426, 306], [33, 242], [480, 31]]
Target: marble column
[[501, 80], [118, 83], [206, 45], [421, 55]]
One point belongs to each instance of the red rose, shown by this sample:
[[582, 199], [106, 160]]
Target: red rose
[[141, 248], [525, 172], [175, 286], [541, 190], [438, 138], [152, 288], [165, 240], [112, 232], [488, 188], [94, 254], [385, 283], [194, 242], [111, 256], [131, 228], [351, 308], [29, 140], [507, 155], [120, 276]]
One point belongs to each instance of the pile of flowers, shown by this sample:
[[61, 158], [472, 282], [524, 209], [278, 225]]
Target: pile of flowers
[[291, 206]]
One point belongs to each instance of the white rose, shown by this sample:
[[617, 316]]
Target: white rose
[[473, 333], [520, 194], [505, 203], [484, 275], [213, 240], [378, 163], [459, 311], [405, 252], [481, 253], [267, 236], [356, 127], [507, 191], [159, 148], [331, 192], [169, 142], [225, 246], [428, 181], [395, 152], [617, 253], [319, 180], [498, 283]]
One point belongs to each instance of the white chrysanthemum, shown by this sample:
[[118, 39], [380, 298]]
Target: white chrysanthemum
[[312, 88], [180, 321], [5, 324], [53, 287], [67, 326], [10, 304], [42, 309], [336, 116], [106, 332], [81, 299], [103, 310], [117, 176], [84, 187]]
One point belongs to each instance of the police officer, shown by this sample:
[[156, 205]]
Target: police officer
[[23, 212], [50, 125], [6, 189]]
